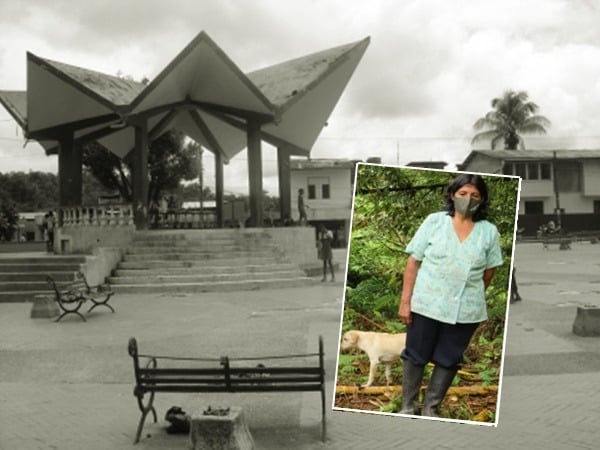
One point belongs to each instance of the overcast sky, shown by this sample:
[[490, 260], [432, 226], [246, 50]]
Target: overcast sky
[[430, 71]]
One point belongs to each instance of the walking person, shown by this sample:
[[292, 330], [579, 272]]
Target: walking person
[[452, 259], [325, 253], [514, 289], [302, 208]]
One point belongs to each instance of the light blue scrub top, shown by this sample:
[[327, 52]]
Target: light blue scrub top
[[449, 285]]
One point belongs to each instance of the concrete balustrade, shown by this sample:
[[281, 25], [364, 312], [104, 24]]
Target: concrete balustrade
[[104, 215]]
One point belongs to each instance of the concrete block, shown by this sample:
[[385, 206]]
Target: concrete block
[[587, 321], [44, 307], [216, 432]]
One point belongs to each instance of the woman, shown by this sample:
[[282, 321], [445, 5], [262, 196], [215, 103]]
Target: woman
[[451, 263]]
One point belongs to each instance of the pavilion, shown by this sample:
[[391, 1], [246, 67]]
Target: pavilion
[[201, 93]]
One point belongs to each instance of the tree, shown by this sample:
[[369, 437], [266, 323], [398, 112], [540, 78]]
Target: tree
[[32, 191], [513, 114], [38, 191], [8, 221], [169, 162]]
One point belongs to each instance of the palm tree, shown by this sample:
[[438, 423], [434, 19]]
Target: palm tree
[[513, 114]]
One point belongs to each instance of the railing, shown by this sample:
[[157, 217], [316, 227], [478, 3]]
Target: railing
[[184, 218], [105, 215], [122, 215]]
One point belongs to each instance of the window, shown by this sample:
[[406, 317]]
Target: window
[[319, 188], [568, 176], [545, 171], [529, 170], [533, 172], [534, 207], [521, 170]]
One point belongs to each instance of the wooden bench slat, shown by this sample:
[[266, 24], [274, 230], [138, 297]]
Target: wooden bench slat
[[192, 388], [250, 371], [155, 381]]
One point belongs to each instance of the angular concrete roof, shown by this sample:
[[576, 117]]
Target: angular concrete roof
[[200, 92], [15, 102]]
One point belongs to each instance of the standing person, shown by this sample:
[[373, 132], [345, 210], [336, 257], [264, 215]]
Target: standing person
[[514, 290], [452, 259], [302, 207], [50, 232], [325, 253], [171, 211], [163, 207]]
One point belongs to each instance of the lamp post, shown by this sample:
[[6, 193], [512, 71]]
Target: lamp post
[[201, 181], [556, 195]]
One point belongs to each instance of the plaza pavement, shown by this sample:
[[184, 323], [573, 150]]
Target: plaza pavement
[[68, 385]]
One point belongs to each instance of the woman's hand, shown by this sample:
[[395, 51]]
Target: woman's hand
[[410, 275], [404, 312]]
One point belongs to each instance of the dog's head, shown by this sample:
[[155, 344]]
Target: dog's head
[[349, 340]]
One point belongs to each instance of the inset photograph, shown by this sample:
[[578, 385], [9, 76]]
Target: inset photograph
[[428, 283]]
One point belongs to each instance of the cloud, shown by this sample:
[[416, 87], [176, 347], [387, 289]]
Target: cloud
[[430, 71]]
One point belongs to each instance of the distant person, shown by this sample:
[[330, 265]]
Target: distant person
[[325, 253], [163, 207], [49, 218], [171, 211], [514, 290], [302, 208], [153, 211]]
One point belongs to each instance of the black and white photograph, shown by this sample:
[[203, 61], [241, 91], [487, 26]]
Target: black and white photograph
[[176, 215]]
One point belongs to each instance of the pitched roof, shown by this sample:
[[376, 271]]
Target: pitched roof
[[201, 92], [531, 155]]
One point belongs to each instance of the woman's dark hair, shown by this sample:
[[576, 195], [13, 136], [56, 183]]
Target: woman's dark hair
[[460, 181]]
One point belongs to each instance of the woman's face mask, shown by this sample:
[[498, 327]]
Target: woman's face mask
[[466, 205]]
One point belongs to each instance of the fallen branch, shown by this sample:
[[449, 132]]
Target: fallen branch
[[381, 390], [365, 318]]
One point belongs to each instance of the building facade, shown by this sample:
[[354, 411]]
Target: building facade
[[559, 185], [328, 186]]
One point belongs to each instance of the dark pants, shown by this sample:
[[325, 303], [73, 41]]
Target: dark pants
[[442, 343]]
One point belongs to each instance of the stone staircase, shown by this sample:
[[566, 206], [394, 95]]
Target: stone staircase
[[22, 276], [204, 261]]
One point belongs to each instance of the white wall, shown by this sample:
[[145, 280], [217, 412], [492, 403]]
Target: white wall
[[337, 207], [591, 178], [537, 188]]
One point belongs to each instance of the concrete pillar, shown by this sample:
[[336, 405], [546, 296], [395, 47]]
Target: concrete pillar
[[219, 188], [139, 176], [69, 171], [255, 173], [587, 321], [285, 181]]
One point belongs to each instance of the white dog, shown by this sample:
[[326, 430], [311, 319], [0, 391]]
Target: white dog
[[380, 347]]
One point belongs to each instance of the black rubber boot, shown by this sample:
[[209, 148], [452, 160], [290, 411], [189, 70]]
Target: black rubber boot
[[411, 385], [441, 379]]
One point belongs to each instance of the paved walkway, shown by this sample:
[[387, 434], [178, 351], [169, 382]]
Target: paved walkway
[[68, 385]]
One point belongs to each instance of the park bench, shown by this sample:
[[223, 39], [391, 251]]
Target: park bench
[[70, 298], [198, 375]]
